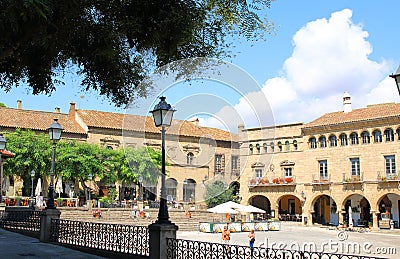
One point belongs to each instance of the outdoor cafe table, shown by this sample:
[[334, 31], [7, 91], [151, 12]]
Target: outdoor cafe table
[[217, 227]]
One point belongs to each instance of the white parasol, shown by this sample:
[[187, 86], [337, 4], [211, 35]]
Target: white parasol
[[223, 209], [38, 190], [59, 188], [350, 217], [251, 209]]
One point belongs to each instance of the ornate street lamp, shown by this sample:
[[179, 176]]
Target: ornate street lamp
[[162, 114], [3, 142], [185, 182], [55, 130], [140, 188], [396, 77], [90, 177], [32, 177]]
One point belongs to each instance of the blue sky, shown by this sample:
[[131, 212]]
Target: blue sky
[[320, 50]]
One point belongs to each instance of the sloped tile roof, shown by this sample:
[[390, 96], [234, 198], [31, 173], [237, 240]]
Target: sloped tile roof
[[371, 112], [139, 123], [36, 120]]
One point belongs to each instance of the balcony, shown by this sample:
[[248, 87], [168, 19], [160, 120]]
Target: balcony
[[352, 179], [389, 181], [320, 180], [278, 181]]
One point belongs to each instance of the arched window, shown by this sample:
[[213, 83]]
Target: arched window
[[313, 142], [343, 139], [287, 145], [280, 146], [265, 146], [295, 144], [398, 133], [322, 142], [189, 158], [333, 141], [365, 137], [354, 138], [251, 149], [258, 148], [189, 188], [389, 135], [272, 147], [377, 136], [170, 185]]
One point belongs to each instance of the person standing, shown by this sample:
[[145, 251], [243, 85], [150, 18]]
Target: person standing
[[252, 239], [226, 237]]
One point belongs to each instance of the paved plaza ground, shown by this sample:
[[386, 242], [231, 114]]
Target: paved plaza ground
[[384, 244], [13, 245]]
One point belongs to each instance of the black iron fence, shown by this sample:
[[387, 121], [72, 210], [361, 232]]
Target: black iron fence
[[23, 221], [116, 238], [189, 249]]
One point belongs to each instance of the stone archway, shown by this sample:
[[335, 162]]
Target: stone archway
[[360, 210], [389, 208], [261, 202], [290, 208], [325, 211]]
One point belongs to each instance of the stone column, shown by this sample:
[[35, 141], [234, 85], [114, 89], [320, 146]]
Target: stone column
[[341, 217], [158, 234], [375, 220], [45, 223]]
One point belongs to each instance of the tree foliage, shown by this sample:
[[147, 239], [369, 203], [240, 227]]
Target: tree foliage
[[32, 152], [217, 193], [114, 44]]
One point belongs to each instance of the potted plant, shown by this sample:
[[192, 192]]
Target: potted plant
[[97, 213], [18, 201], [59, 202], [370, 224]]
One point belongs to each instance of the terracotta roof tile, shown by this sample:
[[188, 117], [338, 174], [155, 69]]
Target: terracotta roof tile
[[371, 112], [36, 120], [120, 121]]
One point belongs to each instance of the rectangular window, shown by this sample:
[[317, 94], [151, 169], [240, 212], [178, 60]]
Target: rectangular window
[[288, 171], [323, 169], [235, 163], [218, 163], [355, 166], [258, 173], [390, 165]]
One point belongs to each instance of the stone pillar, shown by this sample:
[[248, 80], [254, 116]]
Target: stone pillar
[[140, 205], [89, 205], [375, 220], [158, 234], [341, 217], [45, 223], [276, 211]]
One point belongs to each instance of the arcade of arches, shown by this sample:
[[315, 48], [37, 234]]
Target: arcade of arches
[[327, 210]]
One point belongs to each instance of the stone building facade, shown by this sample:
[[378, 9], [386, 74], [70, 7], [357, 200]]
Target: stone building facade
[[339, 165], [196, 155]]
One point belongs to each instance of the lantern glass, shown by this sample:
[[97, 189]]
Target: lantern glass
[[3, 142], [55, 130], [163, 113]]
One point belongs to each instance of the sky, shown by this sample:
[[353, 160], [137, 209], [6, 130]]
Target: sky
[[320, 49]]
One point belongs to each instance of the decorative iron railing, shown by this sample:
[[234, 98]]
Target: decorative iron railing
[[128, 239], [189, 249], [23, 221]]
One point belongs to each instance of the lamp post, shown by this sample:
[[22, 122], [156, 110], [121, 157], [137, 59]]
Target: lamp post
[[3, 142], [396, 77], [32, 177], [55, 130], [162, 114], [90, 177], [140, 188], [185, 182]]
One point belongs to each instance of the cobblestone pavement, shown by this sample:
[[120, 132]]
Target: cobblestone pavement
[[383, 244]]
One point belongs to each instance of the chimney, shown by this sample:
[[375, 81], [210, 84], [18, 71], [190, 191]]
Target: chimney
[[19, 104], [347, 102], [71, 113], [57, 110]]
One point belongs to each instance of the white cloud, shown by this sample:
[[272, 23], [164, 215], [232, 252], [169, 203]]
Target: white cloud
[[330, 57]]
